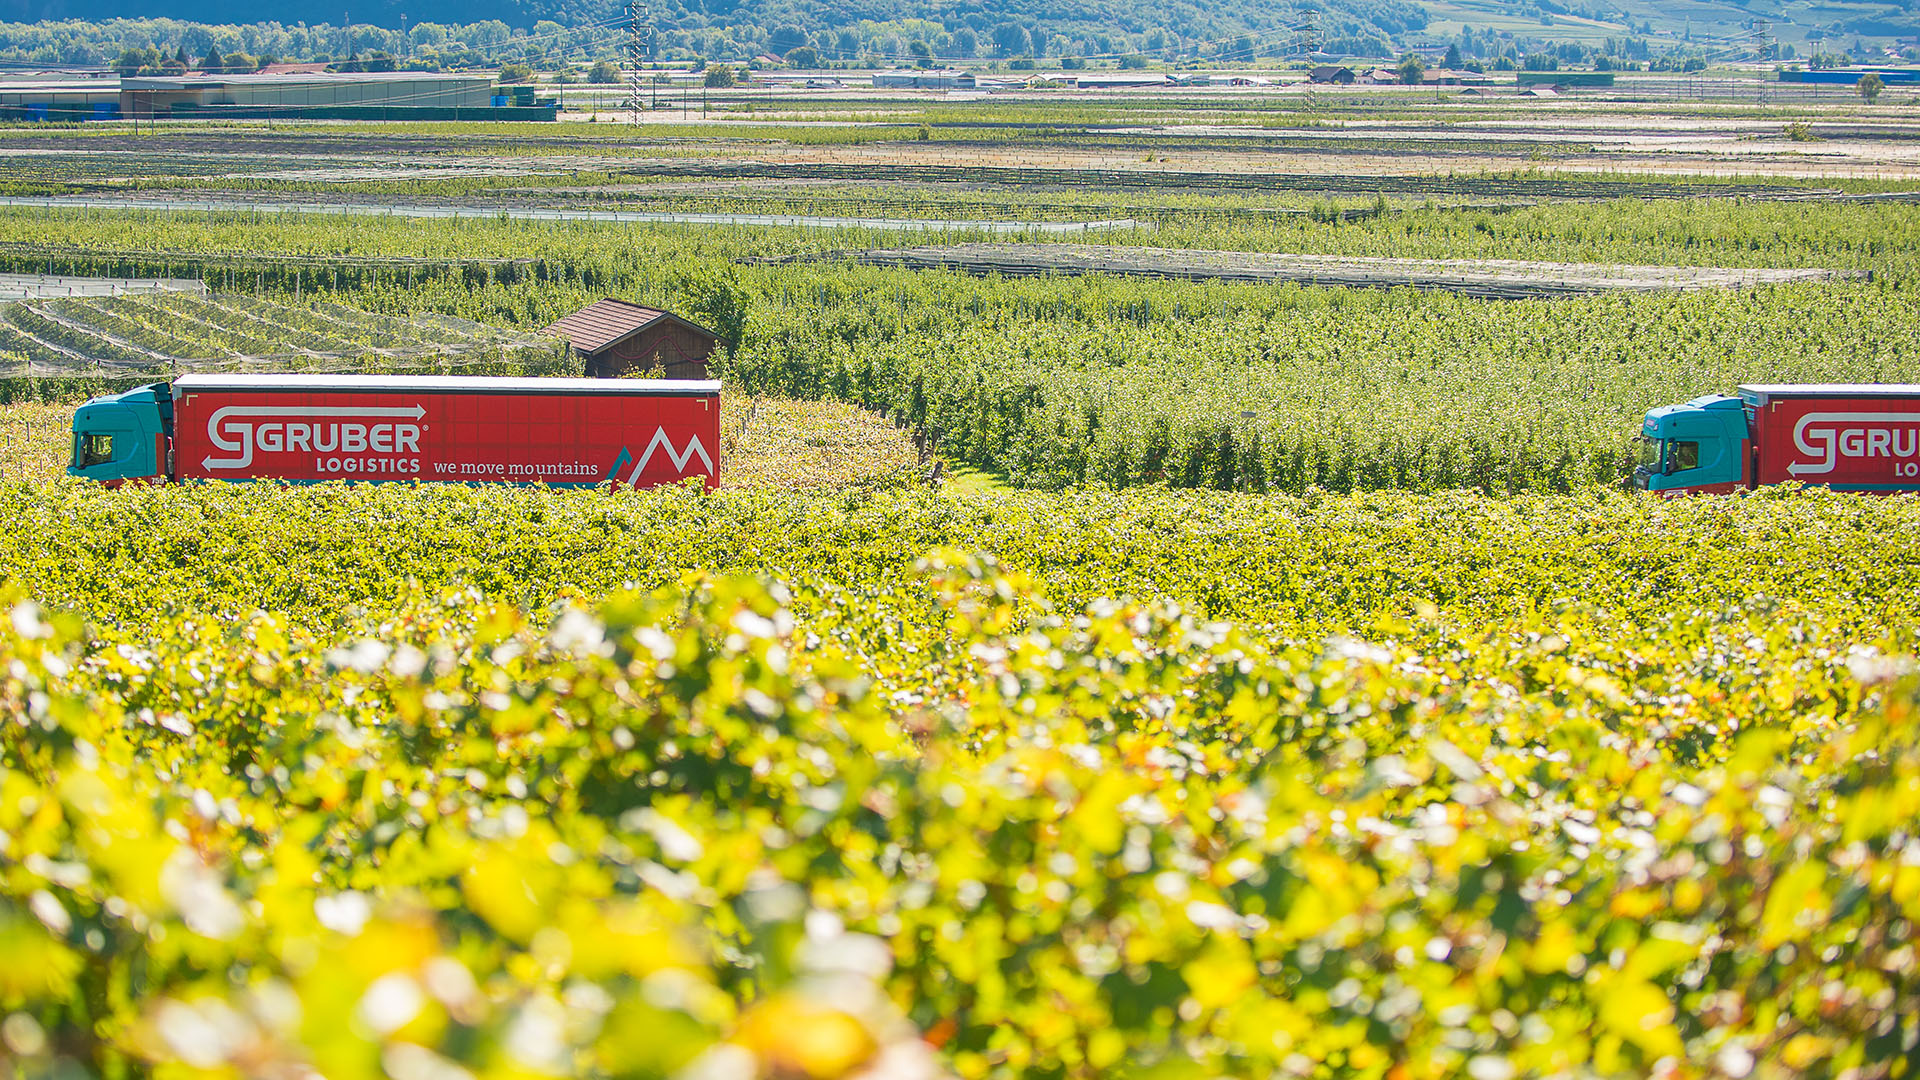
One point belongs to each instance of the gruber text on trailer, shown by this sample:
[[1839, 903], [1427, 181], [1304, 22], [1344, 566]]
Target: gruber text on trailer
[[367, 444], [1830, 436]]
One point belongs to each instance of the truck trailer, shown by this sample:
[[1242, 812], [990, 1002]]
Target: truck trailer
[[303, 429], [1849, 437]]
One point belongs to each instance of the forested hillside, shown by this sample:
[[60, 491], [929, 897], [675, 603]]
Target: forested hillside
[[840, 31], [881, 31]]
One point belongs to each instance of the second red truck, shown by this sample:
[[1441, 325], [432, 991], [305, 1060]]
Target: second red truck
[[1850, 437]]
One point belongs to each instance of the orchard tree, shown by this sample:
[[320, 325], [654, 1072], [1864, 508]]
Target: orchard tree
[[131, 61], [786, 38], [1870, 86], [1012, 39]]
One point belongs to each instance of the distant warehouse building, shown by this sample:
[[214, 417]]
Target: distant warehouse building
[[1124, 81], [60, 99], [928, 79], [1564, 80], [1444, 77], [391, 95], [1851, 76]]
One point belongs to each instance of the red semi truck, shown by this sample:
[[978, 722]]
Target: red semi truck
[[462, 428], [1850, 437]]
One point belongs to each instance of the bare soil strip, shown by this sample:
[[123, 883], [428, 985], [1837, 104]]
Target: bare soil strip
[[1348, 183], [1499, 278], [239, 205]]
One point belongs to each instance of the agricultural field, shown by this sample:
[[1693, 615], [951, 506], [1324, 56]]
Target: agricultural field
[[1061, 381], [1083, 671], [1507, 278], [35, 440], [784, 444]]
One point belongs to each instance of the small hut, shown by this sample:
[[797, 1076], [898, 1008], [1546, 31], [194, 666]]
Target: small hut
[[617, 337]]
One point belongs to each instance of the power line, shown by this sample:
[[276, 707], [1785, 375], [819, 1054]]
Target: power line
[[639, 49], [1309, 36]]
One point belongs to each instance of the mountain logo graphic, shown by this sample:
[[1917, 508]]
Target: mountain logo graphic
[[660, 442]]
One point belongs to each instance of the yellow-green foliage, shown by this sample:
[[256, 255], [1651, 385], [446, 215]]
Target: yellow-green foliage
[[1580, 785], [781, 443], [36, 440]]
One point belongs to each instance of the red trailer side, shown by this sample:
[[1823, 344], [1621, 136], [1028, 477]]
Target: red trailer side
[[309, 428], [1849, 437]]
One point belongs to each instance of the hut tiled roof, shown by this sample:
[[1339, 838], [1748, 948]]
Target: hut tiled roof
[[604, 322]]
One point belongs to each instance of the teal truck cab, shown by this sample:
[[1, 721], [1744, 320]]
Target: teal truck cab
[[1851, 437], [124, 437]]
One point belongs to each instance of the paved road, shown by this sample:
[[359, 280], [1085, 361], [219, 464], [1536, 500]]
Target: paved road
[[524, 214]]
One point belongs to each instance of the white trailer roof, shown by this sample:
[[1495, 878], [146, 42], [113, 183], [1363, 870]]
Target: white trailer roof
[[1768, 391], [447, 384]]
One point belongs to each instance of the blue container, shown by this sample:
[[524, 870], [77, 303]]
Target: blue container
[[499, 101]]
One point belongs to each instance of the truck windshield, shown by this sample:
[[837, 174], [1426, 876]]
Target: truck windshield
[[91, 450], [1649, 453]]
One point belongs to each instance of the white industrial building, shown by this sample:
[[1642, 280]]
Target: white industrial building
[[386, 95], [55, 98], [176, 95], [923, 79]]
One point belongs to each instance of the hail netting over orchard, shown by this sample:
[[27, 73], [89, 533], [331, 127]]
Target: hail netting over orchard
[[175, 330]]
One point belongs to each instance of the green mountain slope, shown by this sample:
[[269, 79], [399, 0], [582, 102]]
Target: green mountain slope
[[842, 29], [877, 31]]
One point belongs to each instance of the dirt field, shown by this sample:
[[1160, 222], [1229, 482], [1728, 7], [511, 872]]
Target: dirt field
[[1747, 155], [1738, 130], [1499, 278]]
